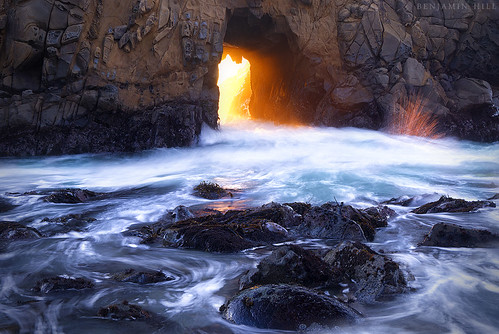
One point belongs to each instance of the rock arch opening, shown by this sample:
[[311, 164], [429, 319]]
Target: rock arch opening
[[279, 90]]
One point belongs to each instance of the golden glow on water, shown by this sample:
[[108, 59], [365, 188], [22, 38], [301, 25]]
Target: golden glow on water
[[235, 90]]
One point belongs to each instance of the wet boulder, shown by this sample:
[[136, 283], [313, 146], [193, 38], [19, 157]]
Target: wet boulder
[[62, 283], [450, 235], [343, 222], [65, 224], [373, 275], [141, 277], [449, 204], [71, 196], [219, 234], [291, 264], [16, 231], [286, 307], [124, 311], [210, 190]]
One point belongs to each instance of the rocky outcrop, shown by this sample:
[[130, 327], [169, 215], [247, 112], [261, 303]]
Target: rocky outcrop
[[61, 283], [450, 235], [141, 277], [65, 224], [16, 231], [374, 276], [124, 311], [286, 307], [91, 76], [449, 204], [291, 265], [237, 230]]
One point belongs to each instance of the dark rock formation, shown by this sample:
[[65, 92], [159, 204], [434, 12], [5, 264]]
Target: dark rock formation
[[145, 74], [374, 276], [134, 276], [450, 235], [61, 283], [496, 196], [65, 224], [241, 229], [291, 265], [286, 307], [6, 205], [70, 196], [210, 190], [448, 204], [16, 231], [343, 222], [124, 311]]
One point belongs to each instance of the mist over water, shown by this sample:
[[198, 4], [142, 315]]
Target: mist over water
[[455, 289]]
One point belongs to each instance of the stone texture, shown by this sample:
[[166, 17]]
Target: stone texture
[[450, 235], [163, 56], [286, 307]]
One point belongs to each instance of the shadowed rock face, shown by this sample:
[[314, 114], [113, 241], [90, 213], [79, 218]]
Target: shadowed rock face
[[374, 275], [450, 235], [291, 265], [286, 307], [60, 283], [448, 204], [92, 76], [237, 230]]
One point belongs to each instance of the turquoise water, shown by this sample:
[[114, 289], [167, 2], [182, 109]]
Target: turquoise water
[[455, 290]]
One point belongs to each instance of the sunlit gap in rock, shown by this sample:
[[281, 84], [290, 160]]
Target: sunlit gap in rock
[[235, 89]]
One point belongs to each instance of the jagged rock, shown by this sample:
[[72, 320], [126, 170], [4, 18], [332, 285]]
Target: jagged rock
[[62, 283], [119, 31], [450, 235], [134, 276], [414, 72], [472, 92], [124, 311], [16, 231], [175, 51], [374, 276], [449, 204], [496, 196], [72, 34], [286, 307], [71, 196], [65, 224], [291, 265], [210, 190]]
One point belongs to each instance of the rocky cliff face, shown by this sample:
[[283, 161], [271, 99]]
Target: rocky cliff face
[[89, 75]]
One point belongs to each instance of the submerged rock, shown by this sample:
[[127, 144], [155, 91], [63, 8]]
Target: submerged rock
[[496, 196], [450, 235], [65, 224], [124, 311], [374, 275], [60, 283], [210, 190], [6, 205], [71, 195], [291, 264], [286, 307], [16, 231], [449, 204], [134, 276]]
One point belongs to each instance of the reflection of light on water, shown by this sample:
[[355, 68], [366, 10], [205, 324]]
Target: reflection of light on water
[[235, 89]]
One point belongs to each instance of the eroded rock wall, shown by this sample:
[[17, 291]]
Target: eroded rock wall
[[90, 75]]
